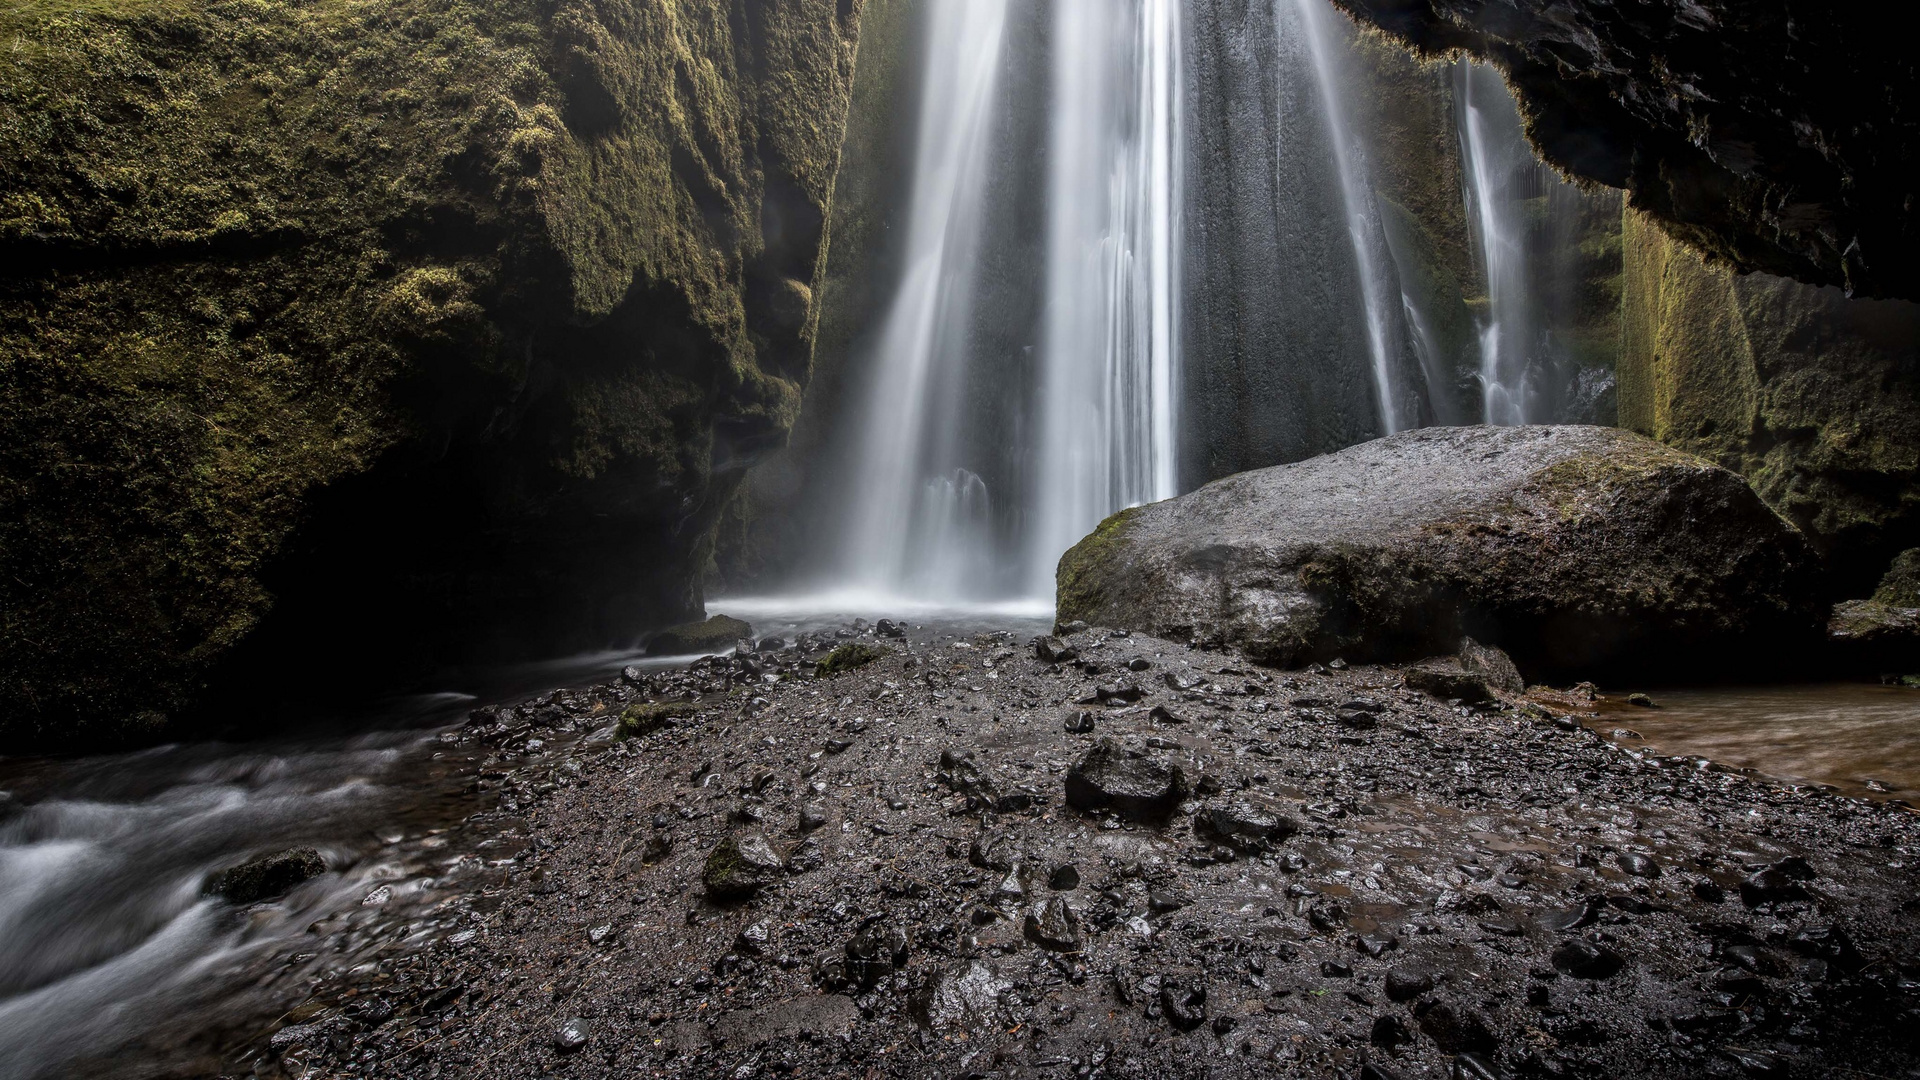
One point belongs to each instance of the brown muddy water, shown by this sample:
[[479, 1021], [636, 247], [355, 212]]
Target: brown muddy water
[[1860, 738]]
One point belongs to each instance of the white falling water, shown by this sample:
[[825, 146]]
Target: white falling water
[[919, 521], [1493, 150], [1109, 359], [1380, 292]]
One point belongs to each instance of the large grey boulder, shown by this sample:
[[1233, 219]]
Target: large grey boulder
[[1572, 548]]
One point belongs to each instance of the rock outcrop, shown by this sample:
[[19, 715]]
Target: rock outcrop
[[1576, 549], [1807, 394], [401, 333], [1776, 137]]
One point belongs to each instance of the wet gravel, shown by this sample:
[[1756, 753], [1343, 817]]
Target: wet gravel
[[1129, 859]]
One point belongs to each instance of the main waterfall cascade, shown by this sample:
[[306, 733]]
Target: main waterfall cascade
[[1231, 265], [1109, 352]]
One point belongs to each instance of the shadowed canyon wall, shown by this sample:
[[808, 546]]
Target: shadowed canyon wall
[[379, 336], [1776, 136]]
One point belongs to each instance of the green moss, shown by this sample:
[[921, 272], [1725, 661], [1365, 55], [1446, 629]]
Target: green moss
[[847, 657], [1806, 393], [649, 717], [256, 246], [1082, 577], [1901, 586]]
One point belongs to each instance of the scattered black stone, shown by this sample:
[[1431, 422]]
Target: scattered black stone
[[1054, 926], [1138, 787], [1184, 1002], [740, 866], [1584, 960]]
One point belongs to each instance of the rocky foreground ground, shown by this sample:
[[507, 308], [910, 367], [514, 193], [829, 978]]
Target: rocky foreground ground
[[1111, 855]]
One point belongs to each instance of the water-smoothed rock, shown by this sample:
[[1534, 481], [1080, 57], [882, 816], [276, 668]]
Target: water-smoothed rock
[[264, 879], [716, 635], [1573, 548]]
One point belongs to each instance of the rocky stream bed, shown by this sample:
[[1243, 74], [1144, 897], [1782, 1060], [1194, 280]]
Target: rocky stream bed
[[1119, 856]]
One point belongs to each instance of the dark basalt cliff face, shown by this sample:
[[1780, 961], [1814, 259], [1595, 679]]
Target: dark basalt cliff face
[[386, 334], [1778, 136]]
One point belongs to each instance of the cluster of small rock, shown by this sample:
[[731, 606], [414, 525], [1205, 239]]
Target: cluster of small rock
[[1109, 855]]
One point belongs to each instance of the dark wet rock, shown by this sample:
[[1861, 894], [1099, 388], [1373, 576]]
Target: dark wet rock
[[962, 998], [740, 866], [1064, 877], [1495, 668], [1406, 984], [1448, 680], [1583, 959], [1777, 883], [877, 951], [1054, 651], [1139, 663], [1079, 722], [716, 635], [1829, 944], [887, 628], [755, 940], [571, 1037], [1709, 892], [1334, 969], [264, 879], [1054, 926], [1162, 715], [1456, 1028], [1642, 701], [1138, 787], [1122, 694], [962, 773], [813, 815], [1376, 1071], [1356, 720], [1244, 825], [1183, 1002], [1159, 901], [1390, 1031], [993, 850], [805, 856], [1591, 548], [1641, 866]]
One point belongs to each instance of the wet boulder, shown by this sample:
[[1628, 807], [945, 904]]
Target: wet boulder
[[1136, 786], [1573, 548], [716, 635], [264, 879]]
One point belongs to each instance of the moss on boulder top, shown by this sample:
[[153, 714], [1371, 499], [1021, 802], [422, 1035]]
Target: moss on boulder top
[[436, 323]]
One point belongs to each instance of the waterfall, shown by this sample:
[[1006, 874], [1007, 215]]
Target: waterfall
[[1381, 297], [1109, 364], [1495, 156], [919, 519]]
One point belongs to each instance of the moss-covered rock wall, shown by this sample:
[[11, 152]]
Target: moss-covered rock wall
[[414, 332], [1808, 394]]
